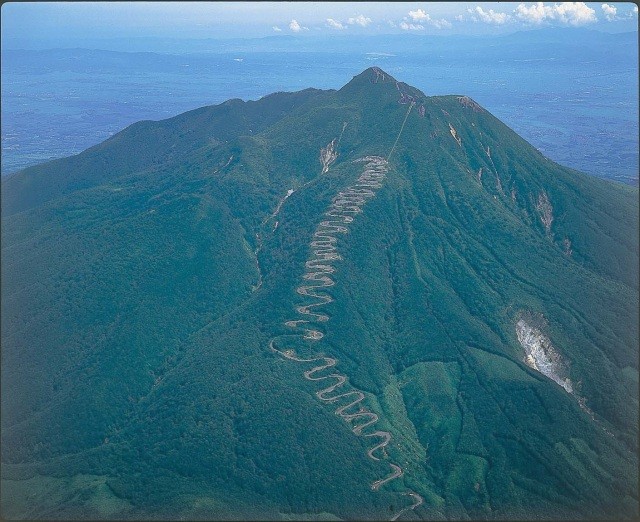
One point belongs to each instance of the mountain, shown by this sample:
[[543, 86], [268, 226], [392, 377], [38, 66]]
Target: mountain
[[365, 303]]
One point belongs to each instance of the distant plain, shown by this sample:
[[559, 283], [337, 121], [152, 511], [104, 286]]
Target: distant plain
[[572, 94]]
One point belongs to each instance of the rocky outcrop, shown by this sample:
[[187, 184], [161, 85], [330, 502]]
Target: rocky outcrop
[[328, 155], [542, 356], [468, 102], [544, 208], [455, 134]]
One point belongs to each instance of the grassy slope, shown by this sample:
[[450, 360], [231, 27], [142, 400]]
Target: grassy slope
[[169, 363]]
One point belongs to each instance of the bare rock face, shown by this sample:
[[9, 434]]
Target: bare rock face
[[405, 97], [541, 355], [328, 155], [380, 75], [468, 102], [453, 132], [544, 208]]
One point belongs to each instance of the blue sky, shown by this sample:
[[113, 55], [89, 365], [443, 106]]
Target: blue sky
[[80, 20]]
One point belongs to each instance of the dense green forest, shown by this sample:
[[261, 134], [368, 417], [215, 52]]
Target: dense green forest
[[144, 279]]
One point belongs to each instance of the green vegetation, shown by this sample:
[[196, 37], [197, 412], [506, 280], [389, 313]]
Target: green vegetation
[[136, 376]]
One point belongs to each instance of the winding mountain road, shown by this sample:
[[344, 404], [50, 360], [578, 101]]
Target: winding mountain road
[[319, 269]]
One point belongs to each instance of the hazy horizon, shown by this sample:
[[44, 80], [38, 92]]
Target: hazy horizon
[[42, 24]]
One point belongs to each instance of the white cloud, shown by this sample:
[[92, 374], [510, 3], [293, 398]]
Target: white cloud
[[335, 24], [610, 12], [439, 24], [296, 27], [535, 14], [276, 29], [572, 13], [489, 17], [391, 23], [575, 13], [459, 18], [410, 27], [359, 20], [419, 15]]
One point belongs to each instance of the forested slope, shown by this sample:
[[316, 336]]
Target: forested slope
[[164, 293]]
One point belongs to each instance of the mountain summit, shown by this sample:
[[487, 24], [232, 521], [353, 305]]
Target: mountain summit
[[365, 303], [372, 75]]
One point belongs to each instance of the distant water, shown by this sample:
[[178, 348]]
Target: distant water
[[579, 110]]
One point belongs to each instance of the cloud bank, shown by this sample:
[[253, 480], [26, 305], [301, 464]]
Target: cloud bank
[[521, 14], [570, 13]]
